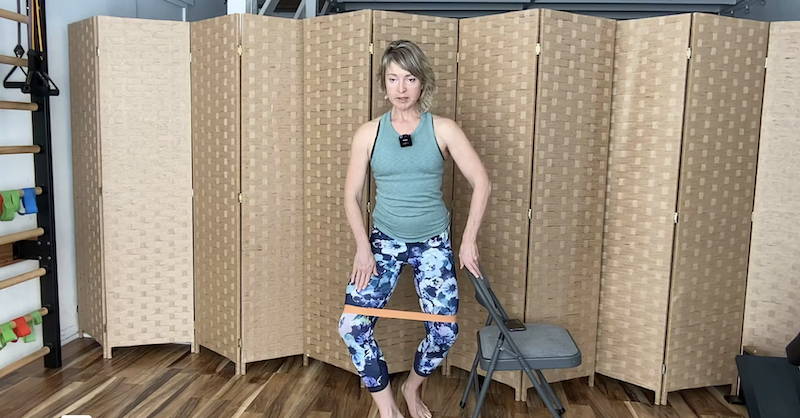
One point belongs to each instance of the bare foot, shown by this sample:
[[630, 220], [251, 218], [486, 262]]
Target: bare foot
[[416, 408]]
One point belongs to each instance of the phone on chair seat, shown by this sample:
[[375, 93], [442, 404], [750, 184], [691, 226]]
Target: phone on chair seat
[[515, 325]]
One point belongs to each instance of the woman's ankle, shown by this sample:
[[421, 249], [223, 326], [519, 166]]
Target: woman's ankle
[[413, 382], [384, 400]]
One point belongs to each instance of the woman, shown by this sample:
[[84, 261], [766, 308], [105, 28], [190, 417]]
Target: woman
[[406, 149]]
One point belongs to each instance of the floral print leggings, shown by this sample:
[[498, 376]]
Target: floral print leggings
[[435, 281]]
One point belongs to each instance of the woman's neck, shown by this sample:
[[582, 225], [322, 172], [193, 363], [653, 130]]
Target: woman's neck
[[409, 115]]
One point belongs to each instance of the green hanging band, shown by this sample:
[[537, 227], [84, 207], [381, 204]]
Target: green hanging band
[[37, 320], [11, 204], [37, 317], [6, 334]]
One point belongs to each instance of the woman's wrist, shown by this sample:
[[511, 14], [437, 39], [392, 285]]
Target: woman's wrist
[[469, 236], [363, 244]]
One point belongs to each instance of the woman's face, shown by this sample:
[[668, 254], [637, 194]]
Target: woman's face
[[402, 87]]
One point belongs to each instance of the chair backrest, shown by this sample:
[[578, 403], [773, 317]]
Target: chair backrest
[[485, 295]]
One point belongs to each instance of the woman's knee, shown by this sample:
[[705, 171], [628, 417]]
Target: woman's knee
[[445, 335], [353, 327], [346, 325]]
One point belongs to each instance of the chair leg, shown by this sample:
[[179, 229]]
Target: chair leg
[[476, 384], [487, 380], [472, 374], [553, 396], [540, 390]]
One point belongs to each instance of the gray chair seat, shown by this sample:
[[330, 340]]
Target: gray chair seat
[[544, 346]]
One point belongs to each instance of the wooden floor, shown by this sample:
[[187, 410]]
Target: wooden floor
[[168, 381]]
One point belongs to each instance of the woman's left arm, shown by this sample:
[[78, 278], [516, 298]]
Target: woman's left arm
[[470, 165]]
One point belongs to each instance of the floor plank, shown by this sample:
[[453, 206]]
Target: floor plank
[[167, 381]]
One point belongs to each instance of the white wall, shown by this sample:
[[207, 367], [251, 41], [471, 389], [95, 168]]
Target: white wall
[[241, 6], [17, 172]]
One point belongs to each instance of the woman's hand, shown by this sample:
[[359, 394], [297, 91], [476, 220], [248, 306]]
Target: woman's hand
[[468, 256], [364, 267]]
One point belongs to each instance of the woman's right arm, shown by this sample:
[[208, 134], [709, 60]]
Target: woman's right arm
[[364, 263]]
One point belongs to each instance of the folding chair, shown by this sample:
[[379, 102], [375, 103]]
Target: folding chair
[[532, 349]]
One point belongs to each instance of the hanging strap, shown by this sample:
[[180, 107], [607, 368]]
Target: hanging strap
[[29, 202], [37, 317], [6, 334], [37, 320], [22, 329], [10, 205]]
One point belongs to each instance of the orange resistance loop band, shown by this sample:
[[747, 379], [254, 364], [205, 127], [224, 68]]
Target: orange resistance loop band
[[389, 313]]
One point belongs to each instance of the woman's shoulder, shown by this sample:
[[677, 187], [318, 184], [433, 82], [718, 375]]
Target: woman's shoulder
[[369, 126], [440, 118], [367, 132], [444, 124]]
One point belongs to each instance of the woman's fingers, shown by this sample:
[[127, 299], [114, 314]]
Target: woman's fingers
[[360, 279], [475, 269], [363, 276], [472, 267]]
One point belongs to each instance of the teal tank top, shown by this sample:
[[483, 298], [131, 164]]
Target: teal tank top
[[408, 201]]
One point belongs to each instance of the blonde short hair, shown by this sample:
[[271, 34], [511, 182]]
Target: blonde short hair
[[408, 56]]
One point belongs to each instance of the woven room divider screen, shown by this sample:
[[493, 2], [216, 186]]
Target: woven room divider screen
[[133, 190], [498, 120], [684, 142], [541, 126], [571, 136], [337, 97], [247, 136], [773, 284]]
